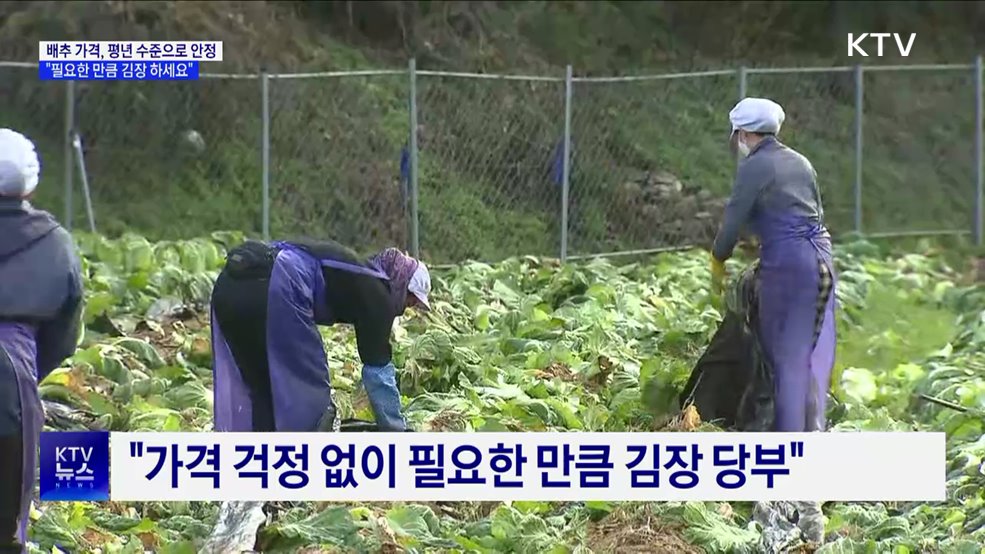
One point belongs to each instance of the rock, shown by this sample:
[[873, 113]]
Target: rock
[[629, 193], [666, 190], [664, 178], [632, 188], [651, 214], [193, 140], [716, 206], [693, 229], [979, 270], [663, 205], [689, 205]]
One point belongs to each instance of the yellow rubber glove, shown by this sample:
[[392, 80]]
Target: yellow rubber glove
[[717, 275]]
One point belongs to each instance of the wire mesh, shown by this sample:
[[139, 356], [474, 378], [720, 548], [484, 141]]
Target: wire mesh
[[37, 109], [820, 124], [650, 164], [337, 146], [172, 159], [919, 168], [490, 154]]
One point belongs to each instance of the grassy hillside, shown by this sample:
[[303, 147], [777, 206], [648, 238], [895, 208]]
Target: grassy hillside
[[487, 146]]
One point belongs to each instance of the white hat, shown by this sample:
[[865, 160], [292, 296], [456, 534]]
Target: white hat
[[757, 115], [420, 284], [19, 164]]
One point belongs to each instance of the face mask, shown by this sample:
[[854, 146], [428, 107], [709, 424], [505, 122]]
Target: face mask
[[743, 149]]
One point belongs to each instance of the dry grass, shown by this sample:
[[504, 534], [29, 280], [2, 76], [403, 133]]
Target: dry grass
[[637, 533]]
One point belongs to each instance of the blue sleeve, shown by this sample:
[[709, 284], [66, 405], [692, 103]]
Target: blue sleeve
[[58, 338], [752, 177], [384, 397]]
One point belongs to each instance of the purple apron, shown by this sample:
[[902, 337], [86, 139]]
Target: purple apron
[[232, 408], [17, 341], [790, 281], [296, 360]]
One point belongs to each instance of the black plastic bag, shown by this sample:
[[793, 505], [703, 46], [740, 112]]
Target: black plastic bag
[[732, 383], [360, 426]]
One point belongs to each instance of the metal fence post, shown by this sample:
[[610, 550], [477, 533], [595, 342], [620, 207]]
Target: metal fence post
[[67, 151], [566, 163], [415, 244], [265, 151], [743, 82], [979, 139], [80, 157], [859, 95]]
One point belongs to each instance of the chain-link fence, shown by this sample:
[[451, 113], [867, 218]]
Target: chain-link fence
[[179, 156], [487, 179], [499, 165], [335, 146], [650, 165], [820, 109], [41, 110]]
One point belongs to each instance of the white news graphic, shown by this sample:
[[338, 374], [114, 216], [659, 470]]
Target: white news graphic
[[834, 466], [92, 51]]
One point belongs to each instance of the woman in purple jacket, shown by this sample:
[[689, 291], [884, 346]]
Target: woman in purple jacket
[[269, 363], [776, 197], [40, 311]]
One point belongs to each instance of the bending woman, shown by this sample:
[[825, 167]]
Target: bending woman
[[775, 196], [269, 363]]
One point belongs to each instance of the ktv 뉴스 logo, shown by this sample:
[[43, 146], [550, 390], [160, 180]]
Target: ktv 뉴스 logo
[[75, 466]]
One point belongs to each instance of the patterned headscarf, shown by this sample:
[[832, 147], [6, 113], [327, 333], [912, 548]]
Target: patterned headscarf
[[399, 267]]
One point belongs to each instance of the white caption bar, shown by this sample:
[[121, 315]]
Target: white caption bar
[[844, 466], [94, 51]]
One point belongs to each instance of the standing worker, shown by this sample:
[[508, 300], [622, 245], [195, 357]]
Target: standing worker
[[269, 363], [775, 196], [40, 314]]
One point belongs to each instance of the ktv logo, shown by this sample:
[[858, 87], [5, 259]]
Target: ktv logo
[[75, 466], [855, 43]]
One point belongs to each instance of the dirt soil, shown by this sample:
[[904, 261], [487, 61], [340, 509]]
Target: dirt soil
[[166, 336], [556, 370], [688, 420], [638, 534]]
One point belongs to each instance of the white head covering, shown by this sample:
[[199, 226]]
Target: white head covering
[[420, 284], [19, 165], [757, 115]]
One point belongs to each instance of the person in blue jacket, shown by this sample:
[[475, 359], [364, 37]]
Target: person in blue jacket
[[40, 316], [269, 363]]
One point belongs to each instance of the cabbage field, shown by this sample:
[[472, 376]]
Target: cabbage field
[[529, 345]]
